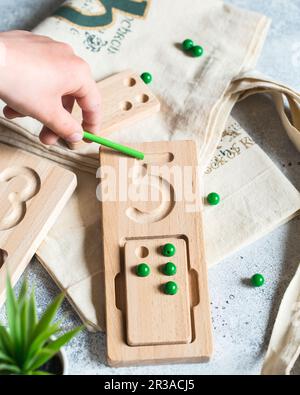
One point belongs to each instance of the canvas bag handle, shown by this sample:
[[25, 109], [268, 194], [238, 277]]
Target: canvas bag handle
[[284, 347], [252, 82]]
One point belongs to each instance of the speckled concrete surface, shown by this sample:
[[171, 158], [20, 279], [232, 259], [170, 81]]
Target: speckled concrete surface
[[242, 317]]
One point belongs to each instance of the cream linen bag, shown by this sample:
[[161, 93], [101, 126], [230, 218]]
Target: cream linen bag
[[284, 347], [196, 95]]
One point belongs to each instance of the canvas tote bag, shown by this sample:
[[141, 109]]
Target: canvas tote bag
[[197, 96]]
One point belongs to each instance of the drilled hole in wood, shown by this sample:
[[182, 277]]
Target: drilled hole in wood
[[157, 159], [142, 98], [129, 82], [142, 252], [3, 257], [126, 106], [120, 292]]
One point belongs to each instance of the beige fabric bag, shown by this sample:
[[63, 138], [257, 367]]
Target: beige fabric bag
[[239, 170], [284, 347], [196, 95], [244, 175], [191, 90]]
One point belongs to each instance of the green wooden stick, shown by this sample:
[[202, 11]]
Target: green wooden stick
[[115, 146]]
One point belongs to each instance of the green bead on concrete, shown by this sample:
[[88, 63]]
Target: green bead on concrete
[[169, 269], [257, 280], [143, 270], [187, 44], [170, 288], [197, 51], [146, 77], [213, 199], [168, 250]]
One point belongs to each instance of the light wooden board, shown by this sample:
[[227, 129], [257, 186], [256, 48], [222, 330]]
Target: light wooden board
[[33, 193], [130, 224], [146, 301], [125, 99]]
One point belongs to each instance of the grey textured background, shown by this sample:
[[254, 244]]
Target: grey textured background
[[242, 317]]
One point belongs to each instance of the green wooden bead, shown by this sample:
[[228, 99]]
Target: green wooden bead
[[197, 51], [143, 270], [213, 199], [170, 269], [187, 44], [257, 280], [169, 250], [171, 288], [146, 77]]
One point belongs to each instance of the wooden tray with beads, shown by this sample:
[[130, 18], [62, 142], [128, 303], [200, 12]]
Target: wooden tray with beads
[[144, 323]]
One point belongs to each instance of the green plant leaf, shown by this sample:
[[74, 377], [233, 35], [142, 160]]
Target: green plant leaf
[[41, 373], [5, 368], [14, 321], [6, 342], [24, 322], [6, 358], [52, 349], [42, 357], [24, 330], [23, 292], [62, 340], [11, 309], [41, 339], [48, 316], [23, 306], [32, 314]]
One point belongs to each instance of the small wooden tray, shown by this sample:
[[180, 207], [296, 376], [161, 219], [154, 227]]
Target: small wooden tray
[[126, 99]]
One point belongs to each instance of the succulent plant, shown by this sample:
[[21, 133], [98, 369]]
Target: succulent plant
[[27, 343]]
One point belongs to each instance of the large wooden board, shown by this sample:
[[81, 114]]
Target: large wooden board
[[125, 99], [33, 193], [143, 324]]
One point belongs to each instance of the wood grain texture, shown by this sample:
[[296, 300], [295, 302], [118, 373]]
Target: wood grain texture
[[33, 193], [129, 224], [146, 301], [125, 99]]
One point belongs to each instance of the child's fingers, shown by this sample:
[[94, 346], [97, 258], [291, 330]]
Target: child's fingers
[[47, 137], [88, 99], [63, 125], [9, 113]]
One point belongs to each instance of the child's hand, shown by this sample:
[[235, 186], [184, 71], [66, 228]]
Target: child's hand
[[42, 78]]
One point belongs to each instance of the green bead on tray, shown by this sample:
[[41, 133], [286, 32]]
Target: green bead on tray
[[168, 250], [257, 280], [146, 77], [169, 269], [170, 288], [143, 270]]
